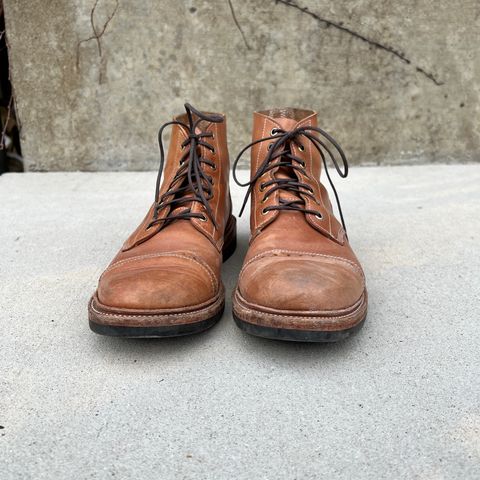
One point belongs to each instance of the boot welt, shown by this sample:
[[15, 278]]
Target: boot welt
[[157, 324], [299, 326]]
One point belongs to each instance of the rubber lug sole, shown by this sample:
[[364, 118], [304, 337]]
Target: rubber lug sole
[[291, 335]]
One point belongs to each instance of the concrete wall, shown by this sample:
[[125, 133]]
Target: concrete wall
[[393, 81]]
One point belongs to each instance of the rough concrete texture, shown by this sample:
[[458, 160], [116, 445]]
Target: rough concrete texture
[[393, 81], [399, 400]]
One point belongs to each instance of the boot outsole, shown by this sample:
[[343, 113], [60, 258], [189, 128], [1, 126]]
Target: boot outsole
[[156, 332], [291, 335]]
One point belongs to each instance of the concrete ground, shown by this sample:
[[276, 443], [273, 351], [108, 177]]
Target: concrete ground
[[399, 400]]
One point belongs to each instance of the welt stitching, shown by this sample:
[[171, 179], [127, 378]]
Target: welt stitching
[[150, 316], [352, 308], [295, 317]]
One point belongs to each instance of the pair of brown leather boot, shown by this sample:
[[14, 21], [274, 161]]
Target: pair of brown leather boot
[[300, 279]]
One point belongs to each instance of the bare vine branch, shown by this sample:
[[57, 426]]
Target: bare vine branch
[[97, 34], [5, 125]]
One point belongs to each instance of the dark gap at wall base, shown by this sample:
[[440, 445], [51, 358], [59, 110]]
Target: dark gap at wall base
[[10, 150]]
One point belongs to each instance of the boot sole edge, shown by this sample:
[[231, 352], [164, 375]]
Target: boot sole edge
[[296, 335], [161, 331], [292, 335]]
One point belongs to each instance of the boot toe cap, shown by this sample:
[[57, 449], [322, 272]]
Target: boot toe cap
[[159, 283], [302, 283]]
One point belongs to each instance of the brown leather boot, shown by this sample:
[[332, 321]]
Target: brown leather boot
[[300, 279], [165, 281]]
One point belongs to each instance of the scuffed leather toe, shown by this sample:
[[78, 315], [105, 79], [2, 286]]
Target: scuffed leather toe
[[157, 283], [302, 283]]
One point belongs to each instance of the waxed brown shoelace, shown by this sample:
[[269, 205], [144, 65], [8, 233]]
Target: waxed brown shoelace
[[190, 183], [280, 149]]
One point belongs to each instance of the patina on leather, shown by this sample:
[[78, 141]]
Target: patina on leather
[[300, 279], [167, 273]]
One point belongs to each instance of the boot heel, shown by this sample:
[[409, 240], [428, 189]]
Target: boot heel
[[230, 243]]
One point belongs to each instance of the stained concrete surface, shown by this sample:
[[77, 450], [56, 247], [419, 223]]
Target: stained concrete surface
[[399, 400], [395, 82]]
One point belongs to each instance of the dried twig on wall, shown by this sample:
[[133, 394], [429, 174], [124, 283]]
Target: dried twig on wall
[[5, 123], [97, 35]]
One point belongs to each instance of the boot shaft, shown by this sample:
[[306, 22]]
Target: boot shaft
[[197, 165], [306, 170]]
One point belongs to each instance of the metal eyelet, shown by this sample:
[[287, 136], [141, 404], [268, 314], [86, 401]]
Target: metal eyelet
[[264, 199], [262, 187], [213, 167], [264, 211], [270, 145], [319, 216], [273, 131], [301, 148], [213, 151], [203, 218]]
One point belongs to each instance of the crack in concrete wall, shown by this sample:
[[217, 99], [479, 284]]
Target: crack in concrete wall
[[373, 43], [381, 109], [239, 28]]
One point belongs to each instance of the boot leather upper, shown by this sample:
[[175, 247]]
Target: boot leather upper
[[174, 266], [297, 263]]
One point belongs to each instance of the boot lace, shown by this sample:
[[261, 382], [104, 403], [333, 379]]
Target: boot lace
[[280, 149], [190, 183]]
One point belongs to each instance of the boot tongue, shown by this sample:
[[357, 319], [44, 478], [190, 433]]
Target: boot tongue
[[285, 123], [182, 208], [286, 172]]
